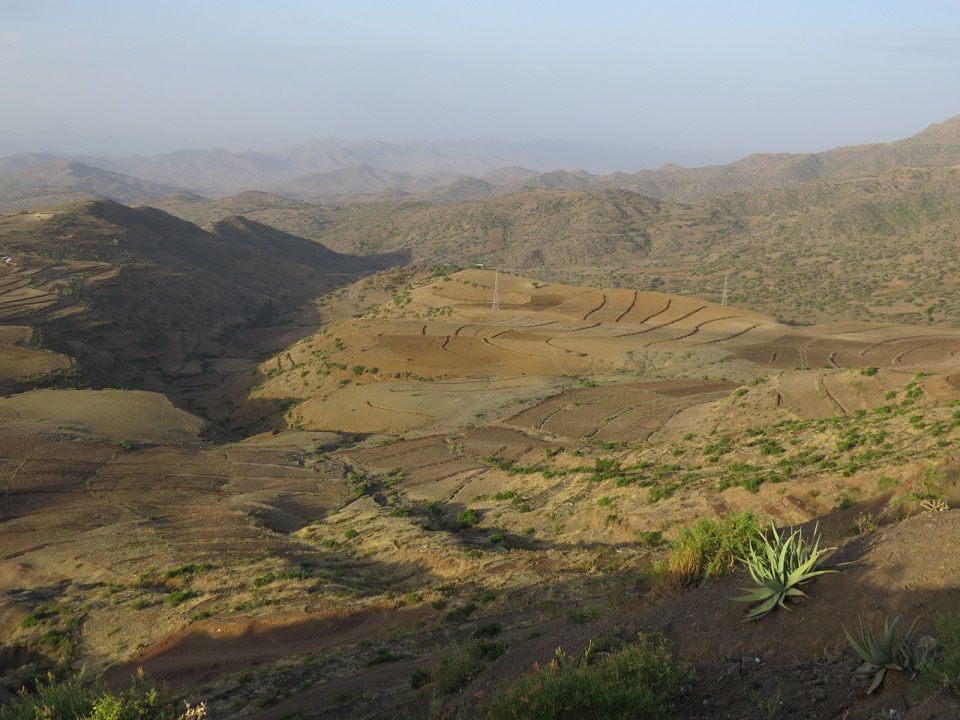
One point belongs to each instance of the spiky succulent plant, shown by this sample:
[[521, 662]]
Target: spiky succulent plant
[[779, 564], [883, 651]]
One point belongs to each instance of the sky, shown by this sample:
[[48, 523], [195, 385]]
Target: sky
[[713, 79]]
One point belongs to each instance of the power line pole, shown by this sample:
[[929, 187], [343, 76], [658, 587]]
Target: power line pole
[[724, 300], [496, 291]]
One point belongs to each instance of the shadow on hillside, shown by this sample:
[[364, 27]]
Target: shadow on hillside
[[207, 649], [800, 666], [910, 568]]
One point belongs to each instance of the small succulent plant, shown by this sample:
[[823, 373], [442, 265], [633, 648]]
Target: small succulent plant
[[779, 564], [883, 651]]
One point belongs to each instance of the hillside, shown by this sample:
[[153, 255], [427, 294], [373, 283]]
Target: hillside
[[297, 217], [136, 290], [875, 247], [535, 228], [468, 157], [218, 172]]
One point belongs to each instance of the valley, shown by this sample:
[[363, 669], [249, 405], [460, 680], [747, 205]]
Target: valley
[[342, 456]]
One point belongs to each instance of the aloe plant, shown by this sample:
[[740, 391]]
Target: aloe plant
[[779, 564], [882, 652]]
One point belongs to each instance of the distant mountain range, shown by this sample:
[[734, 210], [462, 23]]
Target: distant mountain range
[[337, 171], [41, 179], [222, 172]]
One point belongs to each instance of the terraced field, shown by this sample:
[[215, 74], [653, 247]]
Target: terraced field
[[881, 345], [44, 291], [617, 413], [22, 361], [438, 358]]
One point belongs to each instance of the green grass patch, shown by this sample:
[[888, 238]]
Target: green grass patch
[[942, 667], [179, 597], [706, 549], [638, 682]]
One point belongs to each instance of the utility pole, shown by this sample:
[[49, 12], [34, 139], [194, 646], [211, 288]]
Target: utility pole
[[724, 300], [496, 291]]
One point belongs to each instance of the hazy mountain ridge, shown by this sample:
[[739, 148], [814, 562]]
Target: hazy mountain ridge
[[59, 180], [937, 146], [328, 170], [224, 172]]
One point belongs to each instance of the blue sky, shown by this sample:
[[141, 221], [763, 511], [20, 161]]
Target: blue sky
[[717, 79]]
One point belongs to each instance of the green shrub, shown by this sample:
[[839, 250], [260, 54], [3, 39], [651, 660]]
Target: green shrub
[[639, 682], [80, 698], [885, 482], [179, 597], [771, 447], [456, 668], [845, 501], [419, 678], [583, 616], [186, 570], [650, 537], [487, 630], [468, 518], [708, 548]]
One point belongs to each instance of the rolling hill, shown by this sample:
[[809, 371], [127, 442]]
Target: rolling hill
[[361, 180], [420, 497]]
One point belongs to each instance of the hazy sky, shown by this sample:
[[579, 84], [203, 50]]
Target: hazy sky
[[716, 78]]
